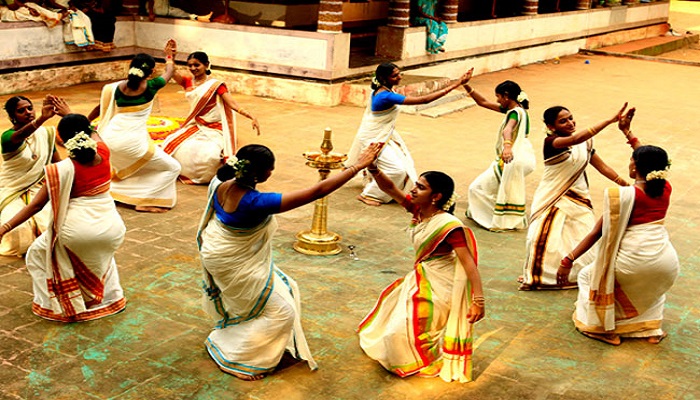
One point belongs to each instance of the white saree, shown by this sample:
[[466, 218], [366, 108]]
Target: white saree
[[562, 215], [142, 174], [624, 290], [419, 323], [50, 18], [21, 174], [497, 197], [207, 136], [394, 160], [256, 306], [72, 264]]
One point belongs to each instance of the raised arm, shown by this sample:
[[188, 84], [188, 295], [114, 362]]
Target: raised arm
[[411, 100], [606, 170], [94, 113], [481, 100], [60, 105], [231, 103], [37, 203], [170, 51], [625, 126], [568, 262], [299, 198], [581, 136], [386, 185]]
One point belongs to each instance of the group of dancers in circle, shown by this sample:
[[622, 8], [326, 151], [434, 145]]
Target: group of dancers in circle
[[623, 264]]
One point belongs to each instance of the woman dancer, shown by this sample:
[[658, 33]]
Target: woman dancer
[[421, 323], [497, 196], [144, 175], [562, 212], [255, 304], [72, 263], [26, 149], [208, 135], [378, 127], [622, 293]]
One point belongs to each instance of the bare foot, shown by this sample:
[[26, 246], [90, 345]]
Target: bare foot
[[612, 338], [151, 209], [367, 201], [521, 279], [246, 377], [204, 18], [524, 287], [657, 339]]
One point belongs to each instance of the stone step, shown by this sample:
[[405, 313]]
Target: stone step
[[652, 46]]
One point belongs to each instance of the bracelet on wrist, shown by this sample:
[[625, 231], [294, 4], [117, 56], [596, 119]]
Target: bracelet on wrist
[[469, 90], [507, 141]]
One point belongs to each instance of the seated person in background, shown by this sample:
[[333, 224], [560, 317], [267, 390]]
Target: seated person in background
[[16, 11], [77, 27]]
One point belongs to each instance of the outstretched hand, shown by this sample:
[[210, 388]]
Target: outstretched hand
[[466, 77], [47, 109], [619, 114], [170, 48], [256, 126], [369, 155], [625, 122], [60, 105]]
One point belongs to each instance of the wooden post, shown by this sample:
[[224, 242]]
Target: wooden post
[[330, 16], [583, 4], [399, 12], [449, 11], [530, 7]]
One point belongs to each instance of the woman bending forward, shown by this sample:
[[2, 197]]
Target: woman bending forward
[[623, 292], [256, 306], [421, 324], [72, 263]]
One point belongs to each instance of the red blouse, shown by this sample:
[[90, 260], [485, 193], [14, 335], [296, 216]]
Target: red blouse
[[647, 209], [188, 84], [89, 177]]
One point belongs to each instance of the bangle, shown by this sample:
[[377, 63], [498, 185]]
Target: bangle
[[592, 131], [354, 169], [373, 171], [478, 301], [632, 142], [7, 227], [507, 141], [469, 90]]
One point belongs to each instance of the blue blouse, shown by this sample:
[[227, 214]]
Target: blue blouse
[[252, 210], [385, 99]]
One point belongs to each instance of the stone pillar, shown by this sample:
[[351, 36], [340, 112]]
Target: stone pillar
[[450, 10], [583, 4], [399, 12], [330, 16], [530, 7]]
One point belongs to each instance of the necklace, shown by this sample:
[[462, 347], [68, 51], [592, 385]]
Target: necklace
[[640, 182], [30, 142]]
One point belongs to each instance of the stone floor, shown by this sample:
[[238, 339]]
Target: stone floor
[[527, 347]]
